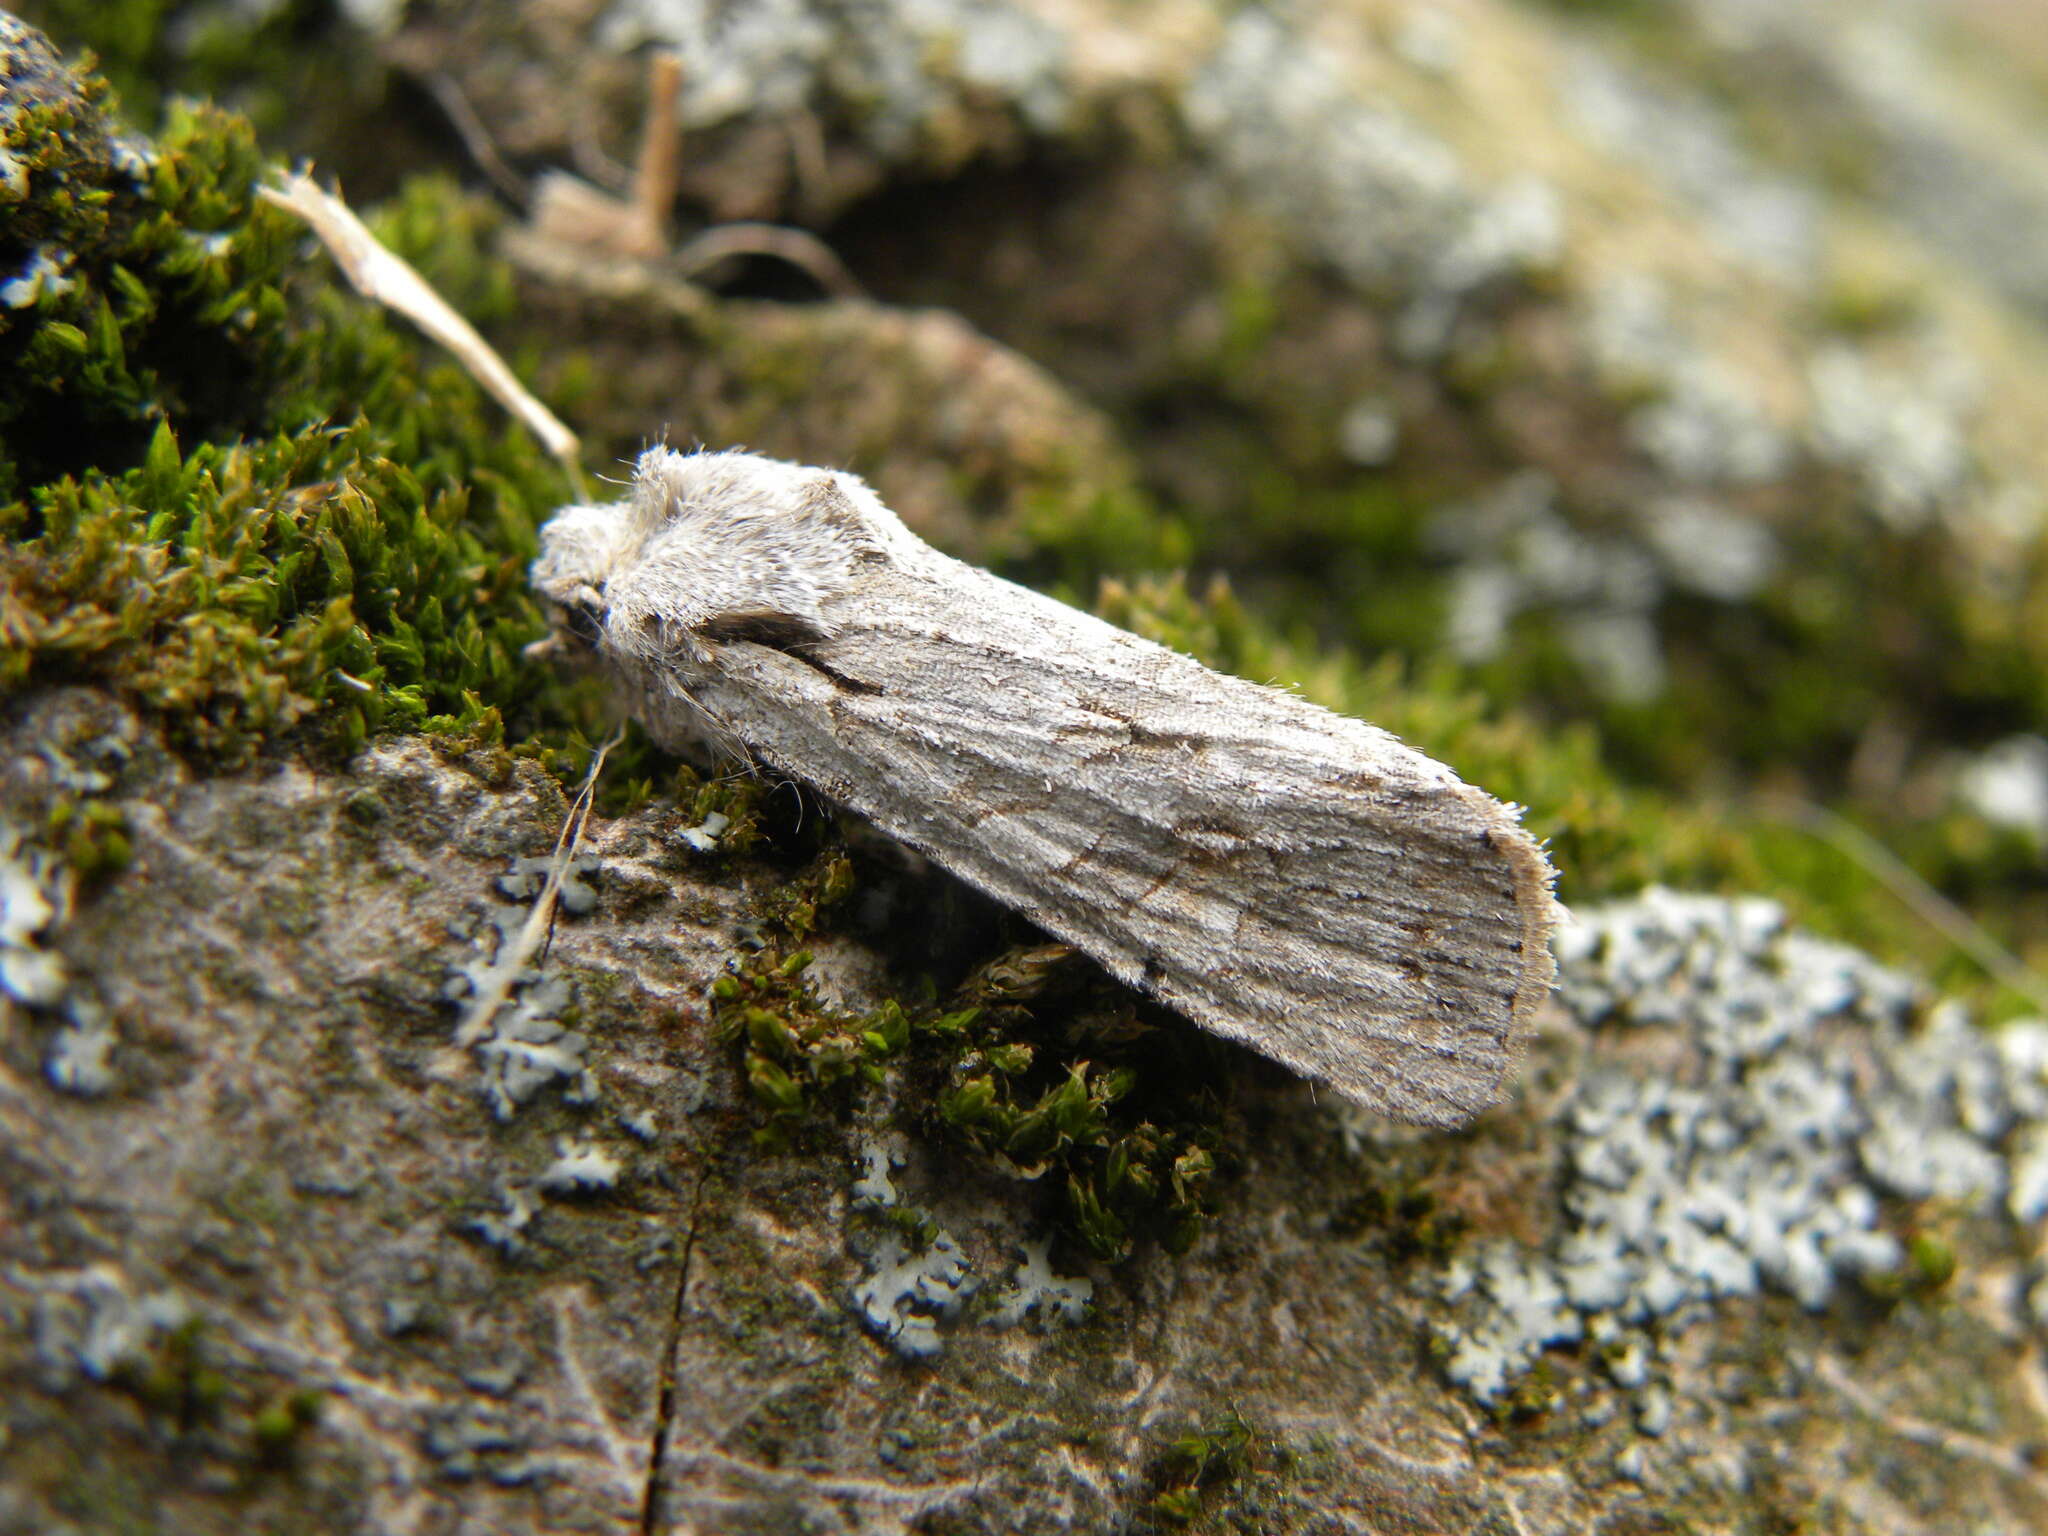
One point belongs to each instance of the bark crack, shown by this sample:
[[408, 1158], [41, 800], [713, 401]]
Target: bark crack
[[650, 1504]]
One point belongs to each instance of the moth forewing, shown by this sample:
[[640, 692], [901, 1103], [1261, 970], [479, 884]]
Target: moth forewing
[[1284, 876]]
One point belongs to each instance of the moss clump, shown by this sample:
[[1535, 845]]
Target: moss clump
[[1066, 1084], [138, 285], [240, 590], [1930, 1266], [280, 1426], [1407, 1219], [175, 1378], [227, 489], [92, 835], [1225, 1462], [1530, 1399]]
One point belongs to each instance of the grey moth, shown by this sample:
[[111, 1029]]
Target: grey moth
[[1284, 876]]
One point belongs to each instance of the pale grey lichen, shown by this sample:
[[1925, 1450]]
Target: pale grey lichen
[[1431, 38], [2007, 785], [530, 1049], [1681, 139], [580, 1167], [506, 1232], [1360, 184], [904, 1297], [1902, 429], [1036, 1289], [703, 837], [488, 931], [2027, 1174], [1701, 546], [1799, 1086], [91, 765], [878, 1154], [1880, 76], [1633, 1462], [90, 1321], [525, 880], [35, 893], [1698, 421], [467, 1439], [1370, 431], [1518, 553], [777, 57], [379, 17], [1705, 427], [1653, 1410], [41, 277], [527, 1047], [80, 1058]]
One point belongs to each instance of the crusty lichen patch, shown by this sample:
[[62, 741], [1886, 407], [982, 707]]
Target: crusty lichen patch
[[1804, 1104]]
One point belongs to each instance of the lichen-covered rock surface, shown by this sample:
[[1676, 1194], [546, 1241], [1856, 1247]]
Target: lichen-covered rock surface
[[1634, 404], [1759, 1243]]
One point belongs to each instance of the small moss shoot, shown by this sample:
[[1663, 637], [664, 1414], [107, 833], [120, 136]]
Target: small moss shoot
[[1066, 1084], [92, 835], [1405, 1219], [280, 1426], [1530, 1399], [1223, 1471]]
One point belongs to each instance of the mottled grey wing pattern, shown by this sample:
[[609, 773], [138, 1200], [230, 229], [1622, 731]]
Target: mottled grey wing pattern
[[1286, 877]]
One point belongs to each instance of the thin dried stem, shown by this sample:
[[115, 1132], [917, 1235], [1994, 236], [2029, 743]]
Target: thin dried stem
[[1922, 899], [658, 171], [496, 987], [476, 138], [385, 278], [798, 247]]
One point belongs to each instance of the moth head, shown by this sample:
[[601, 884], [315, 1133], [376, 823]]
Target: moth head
[[581, 549]]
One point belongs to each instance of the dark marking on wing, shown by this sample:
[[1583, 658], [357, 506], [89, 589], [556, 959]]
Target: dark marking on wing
[[1139, 733], [787, 633], [764, 626]]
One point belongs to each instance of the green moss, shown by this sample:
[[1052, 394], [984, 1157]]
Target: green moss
[[1930, 1265], [1224, 1471], [163, 300], [92, 835], [176, 1377], [279, 64], [1068, 1084], [1933, 1259], [1070, 543], [241, 590], [280, 1426], [1405, 1217], [365, 808], [1531, 1398], [1861, 303], [236, 494]]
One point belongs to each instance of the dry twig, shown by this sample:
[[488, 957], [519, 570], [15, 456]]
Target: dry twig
[[382, 276]]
